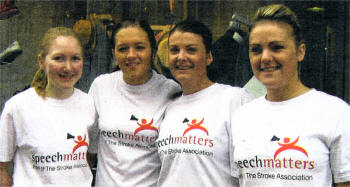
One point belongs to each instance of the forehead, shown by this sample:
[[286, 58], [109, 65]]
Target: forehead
[[271, 30], [185, 38], [131, 34], [65, 42]]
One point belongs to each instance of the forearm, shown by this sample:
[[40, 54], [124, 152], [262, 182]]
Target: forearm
[[345, 184], [5, 178]]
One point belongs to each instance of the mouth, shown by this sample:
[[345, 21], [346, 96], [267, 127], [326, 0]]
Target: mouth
[[270, 68], [132, 64], [66, 76], [183, 67]]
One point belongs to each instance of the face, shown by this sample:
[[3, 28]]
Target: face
[[134, 55], [63, 64], [274, 55], [188, 58]]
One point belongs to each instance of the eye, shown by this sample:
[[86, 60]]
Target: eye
[[255, 49], [277, 47], [58, 58], [191, 49], [140, 47], [174, 50], [122, 49], [76, 58]]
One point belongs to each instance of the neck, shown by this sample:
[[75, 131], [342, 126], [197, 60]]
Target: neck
[[135, 82], [193, 87], [286, 93], [59, 93]]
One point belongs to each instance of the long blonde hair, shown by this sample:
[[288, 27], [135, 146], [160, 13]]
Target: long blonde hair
[[40, 81]]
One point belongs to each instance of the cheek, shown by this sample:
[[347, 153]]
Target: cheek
[[147, 58], [120, 58], [171, 60], [79, 67], [53, 68], [254, 62]]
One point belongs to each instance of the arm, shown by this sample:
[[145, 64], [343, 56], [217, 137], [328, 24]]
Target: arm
[[345, 184], [5, 178]]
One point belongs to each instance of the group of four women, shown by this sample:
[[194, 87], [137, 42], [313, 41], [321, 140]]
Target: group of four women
[[149, 131]]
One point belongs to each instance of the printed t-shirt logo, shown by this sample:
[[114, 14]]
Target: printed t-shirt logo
[[79, 142], [287, 145], [144, 125], [277, 161], [194, 125]]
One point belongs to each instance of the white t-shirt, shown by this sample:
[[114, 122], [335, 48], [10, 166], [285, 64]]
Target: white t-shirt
[[127, 122], [193, 142], [299, 142], [47, 139]]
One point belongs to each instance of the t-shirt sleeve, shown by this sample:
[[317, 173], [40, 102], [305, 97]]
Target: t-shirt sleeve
[[94, 129], [340, 149], [7, 134], [244, 98], [233, 166]]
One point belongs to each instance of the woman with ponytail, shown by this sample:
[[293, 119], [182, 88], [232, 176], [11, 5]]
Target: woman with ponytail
[[44, 129]]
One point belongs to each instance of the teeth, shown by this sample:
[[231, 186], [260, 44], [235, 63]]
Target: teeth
[[66, 76], [183, 67], [132, 64], [270, 68]]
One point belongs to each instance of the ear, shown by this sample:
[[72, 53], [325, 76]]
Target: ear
[[113, 53], [301, 52], [209, 58], [41, 62]]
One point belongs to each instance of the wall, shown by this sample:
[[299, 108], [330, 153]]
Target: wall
[[27, 28]]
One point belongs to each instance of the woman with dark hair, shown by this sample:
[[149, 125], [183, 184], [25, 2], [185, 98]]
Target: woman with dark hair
[[294, 135], [194, 136], [129, 104], [44, 129]]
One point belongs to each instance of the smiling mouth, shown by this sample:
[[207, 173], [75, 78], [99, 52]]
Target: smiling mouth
[[66, 77], [270, 68], [132, 64], [184, 67]]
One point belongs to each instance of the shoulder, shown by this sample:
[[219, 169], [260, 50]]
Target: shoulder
[[83, 99], [329, 102], [104, 80], [81, 94], [234, 92], [27, 94], [164, 80], [167, 84], [26, 97], [252, 106], [105, 77]]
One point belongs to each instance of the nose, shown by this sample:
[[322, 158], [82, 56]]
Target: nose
[[68, 65], [181, 55], [266, 56], [131, 53]]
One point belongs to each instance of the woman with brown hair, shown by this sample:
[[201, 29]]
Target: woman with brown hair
[[294, 135]]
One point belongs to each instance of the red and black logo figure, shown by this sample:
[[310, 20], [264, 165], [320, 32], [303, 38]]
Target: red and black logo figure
[[144, 125], [194, 125], [79, 142], [289, 146]]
